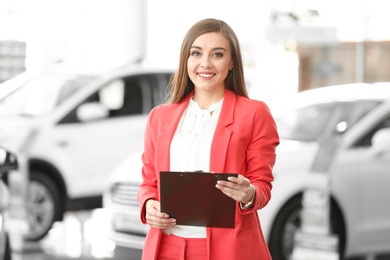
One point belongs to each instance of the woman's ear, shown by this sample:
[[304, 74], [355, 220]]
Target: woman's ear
[[231, 66]]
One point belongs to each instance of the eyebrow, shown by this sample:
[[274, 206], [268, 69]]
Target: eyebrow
[[214, 49]]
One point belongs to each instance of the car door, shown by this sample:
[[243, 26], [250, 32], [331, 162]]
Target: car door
[[361, 185], [373, 172], [95, 147]]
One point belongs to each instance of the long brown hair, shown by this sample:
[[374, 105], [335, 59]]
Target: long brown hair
[[180, 84]]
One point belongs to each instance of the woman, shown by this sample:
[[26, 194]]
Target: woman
[[209, 124]]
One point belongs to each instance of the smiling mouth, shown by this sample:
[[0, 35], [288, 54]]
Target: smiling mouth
[[206, 75]]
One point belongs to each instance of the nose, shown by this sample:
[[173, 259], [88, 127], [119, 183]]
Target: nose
[[205, 62]]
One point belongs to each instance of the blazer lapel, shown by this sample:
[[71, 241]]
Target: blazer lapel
[[222, 134], [167, 132]]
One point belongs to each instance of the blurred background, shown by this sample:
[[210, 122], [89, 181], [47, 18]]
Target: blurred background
[[286, 37], [289, 46]]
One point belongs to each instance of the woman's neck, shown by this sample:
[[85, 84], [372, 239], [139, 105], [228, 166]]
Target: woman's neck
[[206, 99]]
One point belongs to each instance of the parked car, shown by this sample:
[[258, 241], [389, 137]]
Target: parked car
[[73, 128], [8, 162], [351, 119]]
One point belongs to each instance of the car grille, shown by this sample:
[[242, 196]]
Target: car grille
[[125, 194]]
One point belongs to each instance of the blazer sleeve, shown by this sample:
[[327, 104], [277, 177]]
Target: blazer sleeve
[[261, 154], [148, 188]]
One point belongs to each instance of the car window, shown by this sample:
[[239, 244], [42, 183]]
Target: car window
[[132, 95], [304, 123], [366, 140], [142, 93], [316, 121], [111, 96], [160, 93]]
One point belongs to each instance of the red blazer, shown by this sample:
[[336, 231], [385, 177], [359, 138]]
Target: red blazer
[[244, 142]]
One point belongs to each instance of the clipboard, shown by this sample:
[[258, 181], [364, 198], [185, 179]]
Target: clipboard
[[192, 199]]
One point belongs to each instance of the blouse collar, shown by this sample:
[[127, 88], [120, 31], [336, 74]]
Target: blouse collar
[[198, 120]]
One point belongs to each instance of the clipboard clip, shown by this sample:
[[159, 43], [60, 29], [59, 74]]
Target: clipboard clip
[[204, 171]]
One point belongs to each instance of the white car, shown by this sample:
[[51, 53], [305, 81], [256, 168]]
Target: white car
[[341, 131], [74, 128]]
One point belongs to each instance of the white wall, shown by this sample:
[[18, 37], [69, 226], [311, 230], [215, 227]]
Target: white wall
[[99, 31]]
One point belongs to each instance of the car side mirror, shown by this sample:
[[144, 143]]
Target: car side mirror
[[8, 161], [91, 111], [381, 140]]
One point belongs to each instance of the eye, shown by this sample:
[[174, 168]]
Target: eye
[[195, 53], [218, 55]]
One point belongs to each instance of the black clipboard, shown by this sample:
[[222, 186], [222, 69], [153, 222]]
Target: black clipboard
[[192, 199]]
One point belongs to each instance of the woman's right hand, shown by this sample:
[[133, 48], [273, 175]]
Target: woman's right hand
[[155, 217]]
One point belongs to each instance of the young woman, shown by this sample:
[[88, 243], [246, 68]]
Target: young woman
[[209, 124]]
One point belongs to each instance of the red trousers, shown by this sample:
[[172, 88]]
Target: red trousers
[[178, 248]]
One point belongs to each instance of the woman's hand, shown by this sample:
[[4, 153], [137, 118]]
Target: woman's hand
[[238, 188], [155, 217]]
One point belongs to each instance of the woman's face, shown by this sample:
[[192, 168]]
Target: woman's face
[[209, 62]]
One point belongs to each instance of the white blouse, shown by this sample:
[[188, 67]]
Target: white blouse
[[190, 151]]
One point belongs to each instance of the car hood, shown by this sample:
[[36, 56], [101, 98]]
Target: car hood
[[293, 157], [129, 170]]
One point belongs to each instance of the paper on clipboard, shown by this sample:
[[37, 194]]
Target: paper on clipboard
[[192, 199]]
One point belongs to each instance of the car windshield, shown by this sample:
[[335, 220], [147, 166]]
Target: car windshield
[[41, 95], [309, 123]]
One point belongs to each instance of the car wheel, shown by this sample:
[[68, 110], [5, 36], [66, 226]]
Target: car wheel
[[43, 205], [288, 221], [7, 249], [285, 225]]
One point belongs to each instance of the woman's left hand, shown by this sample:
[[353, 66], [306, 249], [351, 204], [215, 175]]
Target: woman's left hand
[[237, 188]]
